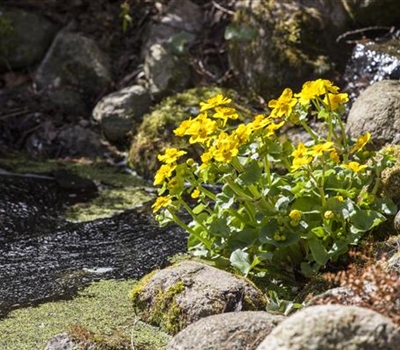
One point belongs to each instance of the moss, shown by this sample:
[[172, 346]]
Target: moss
[[156, 131], [101, 312], [163, 310]]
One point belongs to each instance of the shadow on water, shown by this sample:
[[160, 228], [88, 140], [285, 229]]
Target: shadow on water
[[43, 257]]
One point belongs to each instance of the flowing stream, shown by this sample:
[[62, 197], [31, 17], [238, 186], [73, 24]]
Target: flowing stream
[[43, 257]]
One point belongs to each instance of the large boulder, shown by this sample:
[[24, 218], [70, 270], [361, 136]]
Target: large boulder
[[377, 111], [179, 295], [165, 71], [120, 111], [19, 48], [230, 331], [76, 61], [276, 44], [331, 327]]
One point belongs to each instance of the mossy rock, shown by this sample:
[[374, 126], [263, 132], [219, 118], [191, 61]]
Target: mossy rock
[[278, 44], [155, 134], [181, 294]]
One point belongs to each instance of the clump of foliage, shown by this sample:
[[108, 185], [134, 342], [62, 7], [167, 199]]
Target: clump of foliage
[[262, 203]]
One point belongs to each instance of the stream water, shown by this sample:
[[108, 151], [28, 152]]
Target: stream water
[[43, 257]]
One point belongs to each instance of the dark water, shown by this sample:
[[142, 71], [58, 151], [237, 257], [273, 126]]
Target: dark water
[[43, 257]]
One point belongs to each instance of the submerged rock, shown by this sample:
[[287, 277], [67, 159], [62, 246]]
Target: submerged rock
[[230, 331], [182, 294], [332, 327]]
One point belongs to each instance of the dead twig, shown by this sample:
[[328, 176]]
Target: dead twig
[[361, 31]]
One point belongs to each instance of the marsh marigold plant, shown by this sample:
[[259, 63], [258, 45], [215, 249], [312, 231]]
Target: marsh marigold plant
[[259, 202]]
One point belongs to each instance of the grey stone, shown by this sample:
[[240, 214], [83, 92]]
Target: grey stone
[[79, 141], [19, 48], [332, 327], [165, 71], [231, 331], [68, 101], [184, 293], [377, 111], [74, 60], [179, 17], [120, 111], [61, 341]]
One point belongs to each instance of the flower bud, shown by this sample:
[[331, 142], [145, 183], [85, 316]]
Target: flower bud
[[190, 162], [329, 214], [295, 215]]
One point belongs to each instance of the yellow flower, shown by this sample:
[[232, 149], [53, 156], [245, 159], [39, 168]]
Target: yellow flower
[[301, 151], [319, 149], [242, 133], [295, 215], [195, 194], [300, 162], [171, 155], [183, 127], [339, 198], [163, 173], [225, 148], [283, 106], [259, 122], [214, 102], [334, 156], [354, 166], [360, 143], [207, 156], [201, 129], [225, 113], [271, 128], [162, 201], [313, 89], [334, 101]]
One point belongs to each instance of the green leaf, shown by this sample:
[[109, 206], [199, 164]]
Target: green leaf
[[385, 206], [282, 203], [240, 33], [219, 227], [199, 208], [318, 251], [251, 174], [178, 42], [365, 220], [240, 260]]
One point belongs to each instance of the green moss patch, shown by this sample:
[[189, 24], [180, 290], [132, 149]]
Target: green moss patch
[[101, 314]]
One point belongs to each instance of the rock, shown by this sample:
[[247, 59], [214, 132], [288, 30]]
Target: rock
[[78, 141], [371, 62], [177, 296], [165, 71], [68, 101], [277, 44], [332, 327], [120, 111], [373, 12], [180, 17], [155, 133], [18, 47], [377, 111], [345, 295], [61, 341], [231, 331], [76, 61]]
